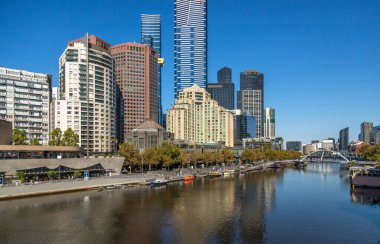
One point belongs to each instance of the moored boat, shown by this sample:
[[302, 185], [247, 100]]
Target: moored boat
[[159, 182], [229, 172], [189, 178], [214, 174], [369, 177]]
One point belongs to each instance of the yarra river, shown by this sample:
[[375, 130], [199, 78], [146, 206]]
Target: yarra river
[[315, 205]]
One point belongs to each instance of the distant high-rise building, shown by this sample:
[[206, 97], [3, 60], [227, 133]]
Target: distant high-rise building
[[270, 123], [224, 90], [294, 146], [151, 35], [87, 93], [24, 101], [136, 73], [365, 132], [344, 139], [251, 97], [375, 135], [190, 44], [245, 126], [224, 75], [197, 118]]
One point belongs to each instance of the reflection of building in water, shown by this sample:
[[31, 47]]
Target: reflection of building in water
[[205, 212], [365, 196]]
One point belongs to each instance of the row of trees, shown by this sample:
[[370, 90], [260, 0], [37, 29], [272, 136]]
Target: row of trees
[[68, 138], [251, 155], [19, 138], [370, 152], [168, 155]]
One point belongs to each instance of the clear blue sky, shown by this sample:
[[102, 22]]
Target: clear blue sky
[[321, 59]]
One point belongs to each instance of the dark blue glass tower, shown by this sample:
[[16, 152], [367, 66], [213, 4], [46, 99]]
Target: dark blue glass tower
[[190, 44], [151, 35]]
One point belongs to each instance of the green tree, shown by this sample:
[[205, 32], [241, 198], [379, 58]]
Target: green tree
[[168, 154], [70, 138], [150, 156], [21, 176], [184, 158], [209, 158], [130, 153], [55, 137], [77, 174], [34, 142], [19, 137], [196, 157], [52, 174], [228, 156]]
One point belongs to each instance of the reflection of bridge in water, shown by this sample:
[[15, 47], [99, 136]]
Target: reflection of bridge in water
[[325, 156]]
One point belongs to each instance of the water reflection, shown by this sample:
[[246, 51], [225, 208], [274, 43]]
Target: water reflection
[[239, 209], [365, 196]]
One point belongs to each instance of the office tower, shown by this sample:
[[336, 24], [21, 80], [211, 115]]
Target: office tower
[[294, 146], [365, 132], [344, 139], [87, 92], [136, 73], [245, 126], [151, 35], [190, 44], [224, 75], [24, 100], [224, 90], [251, 97], [375, 135], [270, 123], [197, 118]]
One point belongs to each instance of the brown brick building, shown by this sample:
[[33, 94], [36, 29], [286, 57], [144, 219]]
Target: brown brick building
[[136, 72]]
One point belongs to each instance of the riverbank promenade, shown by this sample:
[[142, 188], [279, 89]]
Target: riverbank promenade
[[64, 186]]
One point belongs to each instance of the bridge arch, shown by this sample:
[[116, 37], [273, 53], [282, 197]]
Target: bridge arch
[[323, 153]]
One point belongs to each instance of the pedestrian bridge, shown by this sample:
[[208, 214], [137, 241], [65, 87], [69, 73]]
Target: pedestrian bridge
[[325, 155]]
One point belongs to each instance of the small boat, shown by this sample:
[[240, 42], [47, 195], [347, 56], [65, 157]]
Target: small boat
[[189, 178], [369, 177], [159, 182], [214, 174], [229, 172]]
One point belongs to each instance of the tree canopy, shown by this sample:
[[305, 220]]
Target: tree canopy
[[70, 138], [19, 137]]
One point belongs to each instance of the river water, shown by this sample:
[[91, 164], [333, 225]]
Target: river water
[[315, 205]]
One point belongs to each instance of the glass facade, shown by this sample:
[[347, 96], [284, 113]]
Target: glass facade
[[294, 146], [344, 139], [190, 44], [245, 127], [151, 35], [250, 97], [223, 93]]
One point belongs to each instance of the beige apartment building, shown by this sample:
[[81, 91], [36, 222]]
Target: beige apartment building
[[136, 74], [197, 118], [87, 94]]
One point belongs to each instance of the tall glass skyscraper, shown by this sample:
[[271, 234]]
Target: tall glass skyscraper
[[190, 44], [151, 35], [250, 97]]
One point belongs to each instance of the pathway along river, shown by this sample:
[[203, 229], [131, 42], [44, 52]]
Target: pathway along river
[[315, 205]]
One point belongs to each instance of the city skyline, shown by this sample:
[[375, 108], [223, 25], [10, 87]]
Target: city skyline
[[310, 79]]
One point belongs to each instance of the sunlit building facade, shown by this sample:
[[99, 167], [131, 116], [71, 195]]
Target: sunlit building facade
[[190, 44], [87, 93], [24, 101], [197, 118]]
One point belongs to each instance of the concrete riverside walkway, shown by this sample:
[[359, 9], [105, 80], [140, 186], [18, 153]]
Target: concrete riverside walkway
[[64, 186]]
